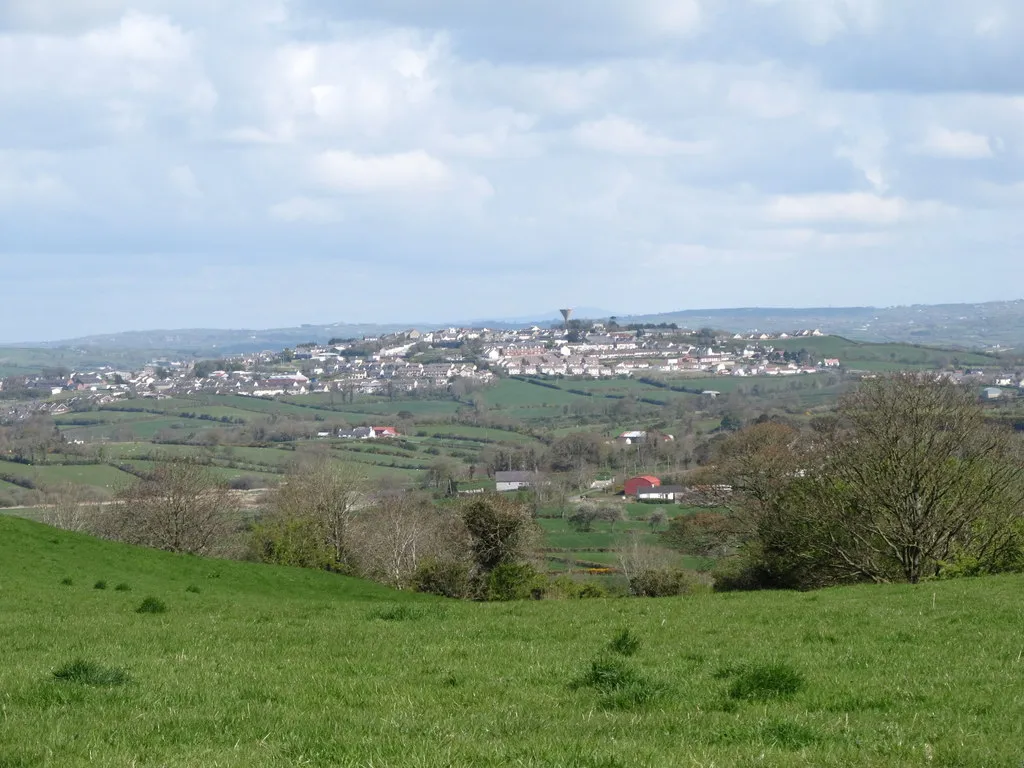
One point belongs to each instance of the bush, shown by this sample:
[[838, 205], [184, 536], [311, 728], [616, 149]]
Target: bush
[[101, 584], [660, 582], [514, 581], [762, 682], [152, 605], [447, 578], [742, 572], [91, 673]]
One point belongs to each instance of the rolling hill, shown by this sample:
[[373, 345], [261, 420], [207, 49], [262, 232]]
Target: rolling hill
[[257, 665]]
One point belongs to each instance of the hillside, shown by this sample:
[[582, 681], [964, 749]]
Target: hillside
[[971, 326], [253, 665]]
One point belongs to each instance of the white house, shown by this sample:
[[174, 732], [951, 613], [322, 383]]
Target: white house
[[659, 493], [514, 481]]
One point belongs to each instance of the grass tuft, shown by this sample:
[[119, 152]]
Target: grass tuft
[[762, 682], [618, 684], [398, 613], [122, 587], [91, 673], [67, 581], [152, 605], [786, 735], [625, 643], [192, 588], [101, 584]]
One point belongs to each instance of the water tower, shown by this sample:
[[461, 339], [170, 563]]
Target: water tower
[[566, 314]]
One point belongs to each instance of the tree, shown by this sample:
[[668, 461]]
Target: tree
[[908, 479], [657, 519], [71, 508], [917, 470], [501, 531], [583, 518], [400, 531], [611, 514], [318, 498], [180, 507]]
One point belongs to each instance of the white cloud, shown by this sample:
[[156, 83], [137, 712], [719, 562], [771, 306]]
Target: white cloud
[[306, 210], [619, 135], [962, 145], [766, 99], [857, 207], [670, 18], [403, 172]]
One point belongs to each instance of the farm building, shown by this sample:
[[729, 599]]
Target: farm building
[[636, 483], [659, 492], [514, 481], [991, 393], [632, 437]]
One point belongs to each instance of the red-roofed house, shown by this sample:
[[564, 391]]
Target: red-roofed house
[[634, 484], [385, 432]]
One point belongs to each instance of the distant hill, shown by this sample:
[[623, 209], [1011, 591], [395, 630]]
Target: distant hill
[[968, 326]]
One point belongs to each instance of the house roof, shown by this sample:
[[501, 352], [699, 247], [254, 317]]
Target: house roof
[[651, 479], [515, 477], [659, 489]]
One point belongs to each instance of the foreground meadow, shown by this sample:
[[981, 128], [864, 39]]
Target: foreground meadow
[[255, 665]]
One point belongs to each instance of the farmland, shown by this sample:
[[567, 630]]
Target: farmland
[[274, 666]]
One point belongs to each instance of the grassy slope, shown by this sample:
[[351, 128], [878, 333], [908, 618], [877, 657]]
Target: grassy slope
[[268, 666]]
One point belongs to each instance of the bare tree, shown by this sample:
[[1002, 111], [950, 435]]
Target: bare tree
[[320, 497], [180, 507], [70, 507], [398, 531]]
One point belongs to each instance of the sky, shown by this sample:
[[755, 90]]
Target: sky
[[267, 163]]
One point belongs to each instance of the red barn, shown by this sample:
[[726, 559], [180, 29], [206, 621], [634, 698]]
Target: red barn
[[634, 484]]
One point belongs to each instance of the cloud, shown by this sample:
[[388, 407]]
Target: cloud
[[856, 207], [961, 145], [619, 135], [306, 210], [404, 172], [506, 141]]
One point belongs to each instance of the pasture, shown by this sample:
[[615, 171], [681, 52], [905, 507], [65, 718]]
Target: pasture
[[258, 665]]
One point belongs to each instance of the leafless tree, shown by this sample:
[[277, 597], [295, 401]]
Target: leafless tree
[[324, 495], [398, 531], [180, 507], [70, 507]]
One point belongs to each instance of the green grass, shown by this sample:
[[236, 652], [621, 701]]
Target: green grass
[[95, 475], [279, 667]]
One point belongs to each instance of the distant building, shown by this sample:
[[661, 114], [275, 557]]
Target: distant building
[[514, 481], [659, 492], [991, 393], [634, 484], [632, 437]]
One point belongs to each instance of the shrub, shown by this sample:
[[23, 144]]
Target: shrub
[[101, 584], [660, 582], [447, 578], [762, 682], [152, 605], [91, 673], [625, 643], [513, 581], [122, 587]]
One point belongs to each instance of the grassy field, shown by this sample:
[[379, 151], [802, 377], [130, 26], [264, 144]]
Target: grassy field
[[854, 353], [254, 665]]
